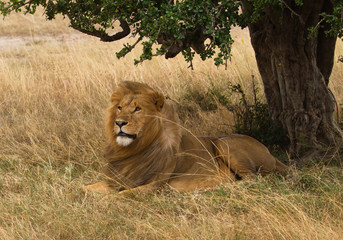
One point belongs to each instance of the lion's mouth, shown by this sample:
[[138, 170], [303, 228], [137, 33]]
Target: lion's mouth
[[131, 136]]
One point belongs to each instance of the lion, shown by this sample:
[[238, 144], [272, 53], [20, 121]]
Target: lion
[[148, 148]]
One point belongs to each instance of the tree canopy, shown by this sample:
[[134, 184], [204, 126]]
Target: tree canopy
[[171, 26]]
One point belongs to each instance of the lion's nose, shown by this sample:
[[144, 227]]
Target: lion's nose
[[121, 123]]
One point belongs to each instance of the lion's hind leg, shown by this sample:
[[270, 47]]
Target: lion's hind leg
[[239, 159]]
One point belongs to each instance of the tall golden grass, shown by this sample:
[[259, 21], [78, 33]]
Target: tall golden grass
[[54, 89]]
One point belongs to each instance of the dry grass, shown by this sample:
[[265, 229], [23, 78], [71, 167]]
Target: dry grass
[[53, 95]]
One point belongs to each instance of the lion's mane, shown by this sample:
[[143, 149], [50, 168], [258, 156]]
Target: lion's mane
[[151, 154]]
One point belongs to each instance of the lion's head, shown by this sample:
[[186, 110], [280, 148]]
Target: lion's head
[[140, 126], [135, 113]]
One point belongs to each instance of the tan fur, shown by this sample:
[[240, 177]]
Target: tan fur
[[155, 153]]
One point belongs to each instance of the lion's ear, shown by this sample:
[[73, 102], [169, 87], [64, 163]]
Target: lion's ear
[[158, 101]]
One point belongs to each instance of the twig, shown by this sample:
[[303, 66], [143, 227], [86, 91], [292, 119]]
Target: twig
[[191, 65], [153, 55], [292, 11], [21, 5], [27, 10], [254, 89], [129, 49], [317, 26]]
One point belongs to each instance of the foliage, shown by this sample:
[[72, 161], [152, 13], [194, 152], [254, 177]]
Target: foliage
[[335, 19], [176, 26], [153, 21]]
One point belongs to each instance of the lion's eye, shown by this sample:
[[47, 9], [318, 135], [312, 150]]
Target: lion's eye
[[119, 108], [137, 109]]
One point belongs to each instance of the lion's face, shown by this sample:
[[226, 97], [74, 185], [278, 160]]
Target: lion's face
[[134, 114]]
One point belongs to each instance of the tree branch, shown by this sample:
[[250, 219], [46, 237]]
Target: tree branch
[[128, 48], [100, 34], [143, 59], [21, 5], [290, 9]]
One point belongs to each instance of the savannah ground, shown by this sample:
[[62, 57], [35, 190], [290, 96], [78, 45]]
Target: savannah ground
[[54, 88]]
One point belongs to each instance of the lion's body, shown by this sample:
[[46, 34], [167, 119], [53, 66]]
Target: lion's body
[[148, 150], [208, 161]]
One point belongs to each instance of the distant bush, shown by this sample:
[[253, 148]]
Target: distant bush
[[204, 99], [251, 117]]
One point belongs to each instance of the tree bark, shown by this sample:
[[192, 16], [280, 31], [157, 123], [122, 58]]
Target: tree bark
[[295, 70]]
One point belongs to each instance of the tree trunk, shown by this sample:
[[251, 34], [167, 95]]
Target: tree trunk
[[295, 69]]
